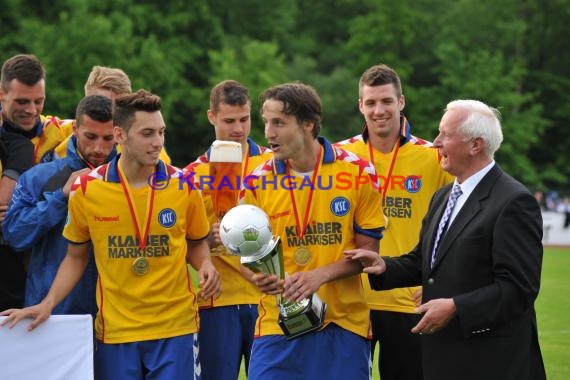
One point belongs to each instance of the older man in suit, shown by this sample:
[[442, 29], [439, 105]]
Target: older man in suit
[[479, 260]]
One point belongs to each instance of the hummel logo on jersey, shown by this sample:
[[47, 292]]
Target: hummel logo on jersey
[[106, 218]]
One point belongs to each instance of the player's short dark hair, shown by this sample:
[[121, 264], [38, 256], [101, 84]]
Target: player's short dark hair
[[97, 107], [379, 75], [127, 105], [299, 100], [25, 68], [228, 92]]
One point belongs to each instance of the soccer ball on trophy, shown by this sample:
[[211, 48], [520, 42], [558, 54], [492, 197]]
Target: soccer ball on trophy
[[245, 230]]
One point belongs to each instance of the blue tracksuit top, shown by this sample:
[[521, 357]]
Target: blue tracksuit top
[[35, 220]]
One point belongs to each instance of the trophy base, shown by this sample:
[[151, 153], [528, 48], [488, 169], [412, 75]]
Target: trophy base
[[311, 318]]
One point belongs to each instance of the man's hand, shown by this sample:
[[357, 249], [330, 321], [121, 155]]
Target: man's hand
[[71, 180], [268, 284], [417, 296], [371, 261], [214, 237], [301, 285], [209, 280], [39, 313], [437, 314]]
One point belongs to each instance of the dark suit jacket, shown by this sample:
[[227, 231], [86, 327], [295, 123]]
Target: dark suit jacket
[[489, 262]]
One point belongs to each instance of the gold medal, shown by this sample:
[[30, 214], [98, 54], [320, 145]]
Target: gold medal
[[140, 266], [302, 256]]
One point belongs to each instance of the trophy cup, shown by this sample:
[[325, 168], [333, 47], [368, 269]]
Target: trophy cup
[[225, 172], [242, 230]]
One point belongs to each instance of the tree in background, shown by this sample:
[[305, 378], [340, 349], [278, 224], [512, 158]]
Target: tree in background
[[513, 55]]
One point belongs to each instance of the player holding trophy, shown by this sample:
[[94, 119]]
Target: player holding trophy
[[317, 218]]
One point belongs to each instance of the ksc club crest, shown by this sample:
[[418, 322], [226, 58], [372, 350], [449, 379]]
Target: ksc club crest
[[340, 206], [413, 183], [167, 217]]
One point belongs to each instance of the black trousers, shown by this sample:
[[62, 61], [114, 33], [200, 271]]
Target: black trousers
[[400, 355], [12, 278]]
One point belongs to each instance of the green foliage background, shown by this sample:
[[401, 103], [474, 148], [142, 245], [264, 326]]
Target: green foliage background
[[513, 55]]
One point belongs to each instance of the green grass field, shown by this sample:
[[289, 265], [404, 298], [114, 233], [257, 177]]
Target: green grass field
[[551, 306]]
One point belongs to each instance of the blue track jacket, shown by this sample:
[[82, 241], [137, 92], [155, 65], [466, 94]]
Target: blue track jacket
[[35, 220]]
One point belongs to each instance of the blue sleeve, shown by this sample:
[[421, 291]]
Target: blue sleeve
[[28, 219]]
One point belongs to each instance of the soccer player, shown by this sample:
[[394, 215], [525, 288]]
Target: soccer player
[[318, 206], [142, 236], [410, 174], [22, 96], [38, 210], [226, 323]]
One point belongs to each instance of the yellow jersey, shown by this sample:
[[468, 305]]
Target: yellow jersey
[[344, 203], [236, 290], [144, 289], [51, 132], [415, 176]]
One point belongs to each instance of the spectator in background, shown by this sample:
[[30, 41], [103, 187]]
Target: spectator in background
[[539, 196], [564, 207]]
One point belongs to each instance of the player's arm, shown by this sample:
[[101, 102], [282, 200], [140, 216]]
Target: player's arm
[[7, 185], [198, 255], [17, 154], [68, 274], [31, 216], [301, 285]]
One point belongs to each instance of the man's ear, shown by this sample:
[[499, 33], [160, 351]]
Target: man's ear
[[119, 134], [478, 145], [211, 117], [308, 126], [402, 102]]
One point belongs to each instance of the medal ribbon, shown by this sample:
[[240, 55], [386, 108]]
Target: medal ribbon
[[301, 232], [132, 209], [392, 164]]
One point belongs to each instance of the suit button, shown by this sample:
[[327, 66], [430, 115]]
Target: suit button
[[430, 281]]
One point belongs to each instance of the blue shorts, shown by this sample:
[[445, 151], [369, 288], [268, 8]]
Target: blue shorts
[[332, 353], [161, 359], [226, 335]]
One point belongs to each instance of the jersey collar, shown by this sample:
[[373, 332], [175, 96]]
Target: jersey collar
[[329, 156]]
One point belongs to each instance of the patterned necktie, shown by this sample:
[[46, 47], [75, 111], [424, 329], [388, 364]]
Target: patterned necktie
[[455, 193]]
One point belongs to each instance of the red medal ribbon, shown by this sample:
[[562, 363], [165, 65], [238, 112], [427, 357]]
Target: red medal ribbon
[[130, 201], [392, 164], [301, 232]]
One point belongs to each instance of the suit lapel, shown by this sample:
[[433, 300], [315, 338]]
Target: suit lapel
[[470, 208]]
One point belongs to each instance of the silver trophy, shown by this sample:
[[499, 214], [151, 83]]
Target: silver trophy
[[295, 318]]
